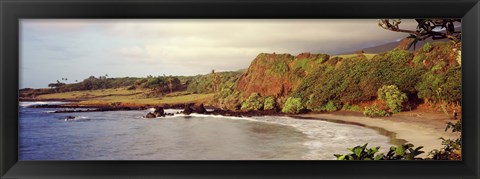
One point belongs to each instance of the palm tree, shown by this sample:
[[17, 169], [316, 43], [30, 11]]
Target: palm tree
[[170, 83], [215, 80]]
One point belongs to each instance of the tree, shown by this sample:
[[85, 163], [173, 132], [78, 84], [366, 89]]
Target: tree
[[426, 28], [56, 85], [215, 81], [170, 81]]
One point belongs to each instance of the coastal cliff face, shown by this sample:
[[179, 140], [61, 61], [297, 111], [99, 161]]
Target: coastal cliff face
[[278, 75]]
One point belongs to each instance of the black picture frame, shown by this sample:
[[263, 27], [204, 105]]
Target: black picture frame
[[13, 10]]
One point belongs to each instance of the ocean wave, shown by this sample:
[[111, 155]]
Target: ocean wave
[[36, 103], [328, 138], [77, 118]]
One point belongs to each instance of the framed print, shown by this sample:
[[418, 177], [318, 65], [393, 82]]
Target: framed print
[[365, 89]]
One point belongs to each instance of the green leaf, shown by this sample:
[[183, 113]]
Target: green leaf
[[340, 157], [400, 150], [379, 156], [358, 151]]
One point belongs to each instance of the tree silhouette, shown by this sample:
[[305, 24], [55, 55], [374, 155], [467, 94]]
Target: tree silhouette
[[426, 28]]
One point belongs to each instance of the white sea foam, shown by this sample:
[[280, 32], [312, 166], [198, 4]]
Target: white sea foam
[[36, 103], [77, 118], [328, 138], [325, 138]]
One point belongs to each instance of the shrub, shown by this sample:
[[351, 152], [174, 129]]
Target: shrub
[[375, 111], [427, 47], [393, 97], [253, 102], [451, 148], [269, 103], [293, 105], [348, 107], [330, 106]]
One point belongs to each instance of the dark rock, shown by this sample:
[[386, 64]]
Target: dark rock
[[150, 115], [187, 110], [200, 109], [159, 112], [70, 118]]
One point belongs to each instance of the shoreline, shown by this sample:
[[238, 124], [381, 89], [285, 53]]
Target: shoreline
[[420, 131], [415, 127]]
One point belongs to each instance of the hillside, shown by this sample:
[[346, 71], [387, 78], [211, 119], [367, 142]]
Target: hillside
[[431, 75], [318, 82], [278, 74]]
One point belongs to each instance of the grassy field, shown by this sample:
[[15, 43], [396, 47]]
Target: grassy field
[[368, 55], [89, 94], [135, 100], [128, 97]]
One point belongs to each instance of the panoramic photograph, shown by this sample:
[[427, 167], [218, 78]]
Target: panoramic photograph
[[240, 89]]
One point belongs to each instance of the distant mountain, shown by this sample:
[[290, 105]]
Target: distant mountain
[[401, 43]]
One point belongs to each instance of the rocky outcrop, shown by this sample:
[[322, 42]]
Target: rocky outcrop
[[69, 118], [200, 109], [150, 115], [159, 112], [187, 109]]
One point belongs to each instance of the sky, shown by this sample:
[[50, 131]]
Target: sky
[[52, 49]]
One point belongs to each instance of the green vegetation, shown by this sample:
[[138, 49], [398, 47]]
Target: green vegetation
[[269, 103], [212, 82], [375, 111], [427, 47], [417, 60], [401, 152], [280, 68], [293, 105], [393, 97], [253, 103], [302, 63], [357, 79], [228, 98], [441, 86], [348, 107]]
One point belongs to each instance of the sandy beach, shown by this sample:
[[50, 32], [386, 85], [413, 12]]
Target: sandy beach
[[418, 128]]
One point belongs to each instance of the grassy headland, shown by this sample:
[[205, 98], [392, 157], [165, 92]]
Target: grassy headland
[[378, 84]]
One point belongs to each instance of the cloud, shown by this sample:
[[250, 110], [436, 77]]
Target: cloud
[[186, 46]]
